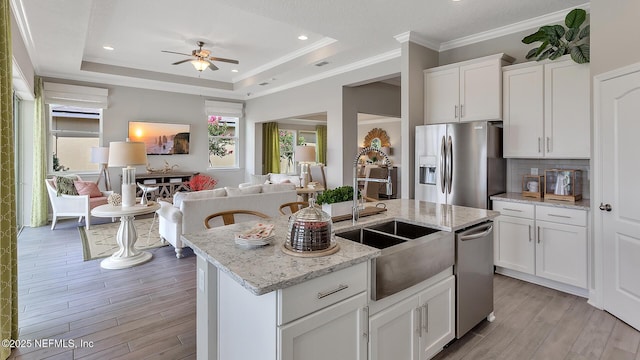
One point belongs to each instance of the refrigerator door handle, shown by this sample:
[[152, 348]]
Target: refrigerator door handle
[[450, 163], [442, 166]]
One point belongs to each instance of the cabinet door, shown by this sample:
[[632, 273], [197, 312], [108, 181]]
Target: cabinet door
[[523, 112], [441, 91], [561, 253], [513, 245], [437, 318], [336, 332], [481, 91], [394, 332], [567, 110]]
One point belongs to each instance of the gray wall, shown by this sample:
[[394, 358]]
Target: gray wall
[[21, 56], [323, 96]]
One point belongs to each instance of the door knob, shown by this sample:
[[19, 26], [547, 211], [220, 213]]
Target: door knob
[[605, 207]]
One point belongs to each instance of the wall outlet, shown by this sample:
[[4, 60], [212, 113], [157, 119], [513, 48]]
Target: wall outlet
[[534, 171]]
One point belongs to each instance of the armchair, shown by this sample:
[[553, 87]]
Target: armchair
[[73, 205]]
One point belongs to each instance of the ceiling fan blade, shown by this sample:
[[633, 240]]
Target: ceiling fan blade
[[224, 60], [181, 61], [211, 66], [173, 52]]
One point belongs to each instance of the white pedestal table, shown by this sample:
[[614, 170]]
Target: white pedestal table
[[127, 255]]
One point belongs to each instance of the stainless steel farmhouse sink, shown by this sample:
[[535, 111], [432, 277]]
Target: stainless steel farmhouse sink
[[410, 254]]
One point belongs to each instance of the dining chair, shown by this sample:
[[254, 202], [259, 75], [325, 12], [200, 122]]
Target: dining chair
[[318, 175], [228, 217], [292, 206]]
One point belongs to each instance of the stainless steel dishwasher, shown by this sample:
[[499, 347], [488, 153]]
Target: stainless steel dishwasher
[[474, 277]]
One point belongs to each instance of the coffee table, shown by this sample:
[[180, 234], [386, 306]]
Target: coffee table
[[127, 255]]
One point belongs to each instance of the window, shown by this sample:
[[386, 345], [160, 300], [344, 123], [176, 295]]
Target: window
[[73, 132], [288, 140], [223, 140], [223, 125]]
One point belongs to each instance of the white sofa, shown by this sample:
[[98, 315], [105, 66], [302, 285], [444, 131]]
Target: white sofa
[[189, 209], [271, 178]]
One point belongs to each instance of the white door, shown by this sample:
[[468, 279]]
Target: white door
[[523, 112], [561, 253], [336, 332], [437, 318], [441, 91], [513, 246], [567, 110], [618, 127], [480, 91], [394, 332]]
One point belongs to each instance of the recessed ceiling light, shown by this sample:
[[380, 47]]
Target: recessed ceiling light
[[234, 70], [107, 47], [302, 37]]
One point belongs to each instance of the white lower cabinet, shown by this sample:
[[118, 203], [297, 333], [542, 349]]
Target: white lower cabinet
[[547, 242], [337, 332], [415, 328]]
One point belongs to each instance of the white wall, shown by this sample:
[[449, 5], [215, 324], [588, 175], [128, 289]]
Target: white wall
[[318, 97], [614, 27]]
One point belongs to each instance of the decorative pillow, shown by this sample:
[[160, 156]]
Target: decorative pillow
[[278, 187], [87, 188], [64, 185], [247, 190], [259, 179], [204, 194]]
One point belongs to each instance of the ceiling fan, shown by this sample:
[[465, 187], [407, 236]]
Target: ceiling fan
[[200, 58]]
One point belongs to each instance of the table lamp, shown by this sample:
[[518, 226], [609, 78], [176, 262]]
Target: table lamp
[[100, 155], [305, 155], [127, 154]]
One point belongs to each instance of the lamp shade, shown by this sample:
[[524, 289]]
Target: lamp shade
[[126, 153], [305, 153], [100, 155], [386, 150]]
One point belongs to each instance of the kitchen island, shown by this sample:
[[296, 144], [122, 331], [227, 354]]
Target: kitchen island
[[253, 303]]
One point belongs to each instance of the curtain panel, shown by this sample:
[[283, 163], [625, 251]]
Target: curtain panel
[[321, 144], [39, 201], [8, 222], [270, 148]]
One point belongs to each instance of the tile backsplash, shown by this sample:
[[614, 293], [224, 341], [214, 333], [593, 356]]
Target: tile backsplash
[[516, 168]]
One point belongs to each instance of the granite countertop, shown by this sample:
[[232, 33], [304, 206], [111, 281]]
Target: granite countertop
[[267, 269], [584, 204]]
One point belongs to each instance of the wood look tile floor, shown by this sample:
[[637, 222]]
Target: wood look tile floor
[[149, 311]]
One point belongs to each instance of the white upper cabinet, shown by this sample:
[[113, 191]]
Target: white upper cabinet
[[546, 110], [466, 91]]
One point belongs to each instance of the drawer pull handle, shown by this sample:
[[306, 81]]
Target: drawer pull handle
[[418, 313], [516, 210], [425, 318], [331, 292], [560, 216]]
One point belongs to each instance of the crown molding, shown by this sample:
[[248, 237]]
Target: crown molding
[[418, 39], [25, 31], [528, 24], [326, 41], [327, 74]]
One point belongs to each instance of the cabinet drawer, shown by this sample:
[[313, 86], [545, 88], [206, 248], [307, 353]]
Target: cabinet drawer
[[514, 209], [302, 299], [561, 215]]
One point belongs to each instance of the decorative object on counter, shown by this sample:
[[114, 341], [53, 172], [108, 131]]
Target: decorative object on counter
[[558, 41], [563, 184], [533, 186], [258, 236], [165, 170], [201, 182], [337, 201], [127, 154], [310, 232]]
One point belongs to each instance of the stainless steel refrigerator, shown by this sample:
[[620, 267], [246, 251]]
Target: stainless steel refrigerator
[[460, 164]]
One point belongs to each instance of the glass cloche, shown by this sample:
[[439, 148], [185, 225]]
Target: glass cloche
[[310, 229]]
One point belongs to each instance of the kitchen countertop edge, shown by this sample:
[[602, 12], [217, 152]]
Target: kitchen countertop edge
[[518, 198]]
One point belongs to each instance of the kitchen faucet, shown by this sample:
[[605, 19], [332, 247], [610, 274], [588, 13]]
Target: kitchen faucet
[[356, 208]]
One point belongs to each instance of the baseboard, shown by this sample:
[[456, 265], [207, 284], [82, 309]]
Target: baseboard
[[570, 289]]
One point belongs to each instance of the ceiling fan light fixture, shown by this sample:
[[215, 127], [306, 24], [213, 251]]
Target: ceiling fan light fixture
[[200, 64]]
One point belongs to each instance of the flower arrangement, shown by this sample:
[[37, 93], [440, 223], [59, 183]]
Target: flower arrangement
[[219, 130], [201, 182]]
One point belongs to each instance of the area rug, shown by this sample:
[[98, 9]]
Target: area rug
[[100, 241]]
